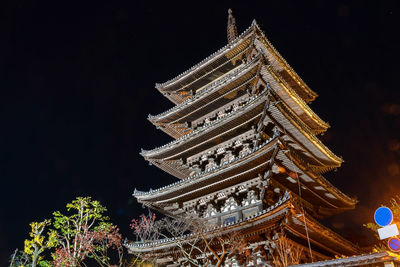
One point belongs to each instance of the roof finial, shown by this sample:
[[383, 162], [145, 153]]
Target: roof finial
[[231, 29]]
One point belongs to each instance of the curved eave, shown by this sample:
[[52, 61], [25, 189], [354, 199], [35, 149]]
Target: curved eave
[[319, 233], [283, 90], [171, 167], [175, 131], [242, 115], [329, 200], [271, 215], [290, 123], [245, 167], [279, 112], [171, 85], [295, 102], [306, 93], [262, 222], [319, 185], [212, 91]]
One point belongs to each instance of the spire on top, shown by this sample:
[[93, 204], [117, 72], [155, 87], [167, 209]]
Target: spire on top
[[231, 29]]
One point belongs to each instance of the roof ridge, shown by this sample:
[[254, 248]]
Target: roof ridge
[[194, 67], [285, 63]]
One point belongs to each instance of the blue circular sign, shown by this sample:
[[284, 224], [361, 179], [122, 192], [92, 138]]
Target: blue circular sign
[[394, 244], [383, 216]]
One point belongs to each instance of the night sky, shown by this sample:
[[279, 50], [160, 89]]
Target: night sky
[[77, 83]]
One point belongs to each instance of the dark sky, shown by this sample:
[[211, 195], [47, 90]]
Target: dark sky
[[77, 82]]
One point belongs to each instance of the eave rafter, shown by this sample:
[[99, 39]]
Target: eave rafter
[[322, 126], [254, 101], [278, 210], [340, 202], [233, 81], [310, 95], [283, 109], [280, 107], [296, 223], [318, 178], [266, 148], [287, 207], [305, 114]]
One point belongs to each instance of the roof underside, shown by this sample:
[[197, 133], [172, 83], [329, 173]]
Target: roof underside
[[228, 175], [241, 120], [215, 99], [325, 198], [227, 89], [322, 238]]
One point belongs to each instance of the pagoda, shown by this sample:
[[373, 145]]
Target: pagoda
[[246, 152]]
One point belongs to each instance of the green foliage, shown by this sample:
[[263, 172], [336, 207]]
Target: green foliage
[[85, 232], [85, 212], [45, 264], [82, 232]]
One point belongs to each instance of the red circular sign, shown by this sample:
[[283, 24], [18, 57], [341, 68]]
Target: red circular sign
[[394, 244]]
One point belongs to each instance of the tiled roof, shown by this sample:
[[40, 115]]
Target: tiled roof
[[358, 260]]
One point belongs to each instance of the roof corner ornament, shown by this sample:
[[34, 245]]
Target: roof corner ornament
[[142, 151], [231, 28], [276, 132]]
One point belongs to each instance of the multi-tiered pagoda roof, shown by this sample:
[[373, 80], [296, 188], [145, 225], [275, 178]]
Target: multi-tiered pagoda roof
[[246, 150]]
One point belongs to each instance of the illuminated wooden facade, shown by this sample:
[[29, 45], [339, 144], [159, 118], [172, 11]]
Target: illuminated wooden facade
[[246, 150]]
